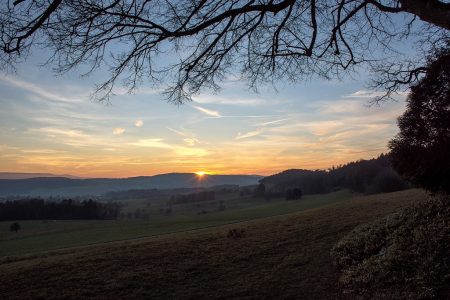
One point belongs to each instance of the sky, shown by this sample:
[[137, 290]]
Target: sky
[[50, 124]]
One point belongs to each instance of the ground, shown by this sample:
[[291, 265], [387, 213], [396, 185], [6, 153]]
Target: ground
[[56, 234], [286, 256]]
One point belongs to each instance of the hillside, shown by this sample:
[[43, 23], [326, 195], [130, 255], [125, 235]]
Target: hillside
[[15, 175], [277, 257], [362, 176], [62, 186]]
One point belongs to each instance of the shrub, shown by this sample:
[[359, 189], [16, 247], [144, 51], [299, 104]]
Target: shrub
[[14, 227], [235, 233], [405, 255]]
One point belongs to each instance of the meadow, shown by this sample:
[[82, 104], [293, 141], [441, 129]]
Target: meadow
[[36, 236], [283, 256]]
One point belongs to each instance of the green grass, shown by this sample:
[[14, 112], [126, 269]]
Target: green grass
[[38, 236], [279, 257]]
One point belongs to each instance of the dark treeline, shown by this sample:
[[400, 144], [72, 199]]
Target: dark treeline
[[39, 209], [158, 193], [135, 194], [193, 197], [364, 176]]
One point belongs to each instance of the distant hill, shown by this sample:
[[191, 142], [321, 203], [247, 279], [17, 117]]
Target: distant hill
[[63, 186], [362, 176], [14, 175]]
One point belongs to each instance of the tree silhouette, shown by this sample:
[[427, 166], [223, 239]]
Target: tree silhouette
[[14, 227], [259, 190], [293, 194], [420, 152], [262, 41]]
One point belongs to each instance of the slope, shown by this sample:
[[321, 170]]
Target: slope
[[277, 257]]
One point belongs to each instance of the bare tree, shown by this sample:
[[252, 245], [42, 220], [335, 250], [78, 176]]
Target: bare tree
[[195, 44]]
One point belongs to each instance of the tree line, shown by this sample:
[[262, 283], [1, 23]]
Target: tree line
[[68, 209], [363, 176], [192, 197]]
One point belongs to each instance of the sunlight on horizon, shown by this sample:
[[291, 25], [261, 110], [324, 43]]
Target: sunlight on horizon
[[201, 173]]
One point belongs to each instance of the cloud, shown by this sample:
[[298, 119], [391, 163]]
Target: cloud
[[71, 137], [248, 134], [188, 137], [42, 151], [208, 112], [139, 123], [273, 122], [122, 91], [187, 151], [364, 94], [151, 143], [180, 133], [118, 131], [190, 141], [228, 100], [42, 92], [177, 150]]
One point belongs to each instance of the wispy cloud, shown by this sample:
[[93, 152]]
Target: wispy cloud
[[364, 94], [273, 122], [206, 111], [188, 137], [42, 151], [118, 131], [139, 123], [151, 143], [178, 132], [190, 141], [188, 151], [40, 91], [177, 149], [214, 99], [249, 134], [71, 137]]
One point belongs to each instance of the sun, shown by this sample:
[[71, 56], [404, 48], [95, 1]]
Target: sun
[[201, 173]]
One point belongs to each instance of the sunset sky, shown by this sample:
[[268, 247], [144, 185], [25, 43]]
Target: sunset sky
[[49, 124]]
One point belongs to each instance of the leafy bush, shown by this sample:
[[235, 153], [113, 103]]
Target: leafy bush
[[235, 233], [14, 227], [403, 256]]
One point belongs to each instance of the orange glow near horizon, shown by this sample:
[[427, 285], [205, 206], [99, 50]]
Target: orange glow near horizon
[[266, 162], [200, 174]]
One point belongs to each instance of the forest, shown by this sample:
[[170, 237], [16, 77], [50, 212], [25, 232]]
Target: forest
[[39, 209], [363, 176]]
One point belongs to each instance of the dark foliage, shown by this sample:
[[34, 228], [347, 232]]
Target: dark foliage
[[402, 256], [134, 194], [364, 176], [260, 190], [421, 151], [192, 197], [38, 209], [236, 233], [294, 194], [14, 227]]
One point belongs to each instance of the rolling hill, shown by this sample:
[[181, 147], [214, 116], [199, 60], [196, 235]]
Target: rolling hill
[[280, 257], [63, 186]]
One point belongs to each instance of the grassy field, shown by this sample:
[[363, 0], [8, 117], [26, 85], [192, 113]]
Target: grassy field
[[49, 235], [286, 256]]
